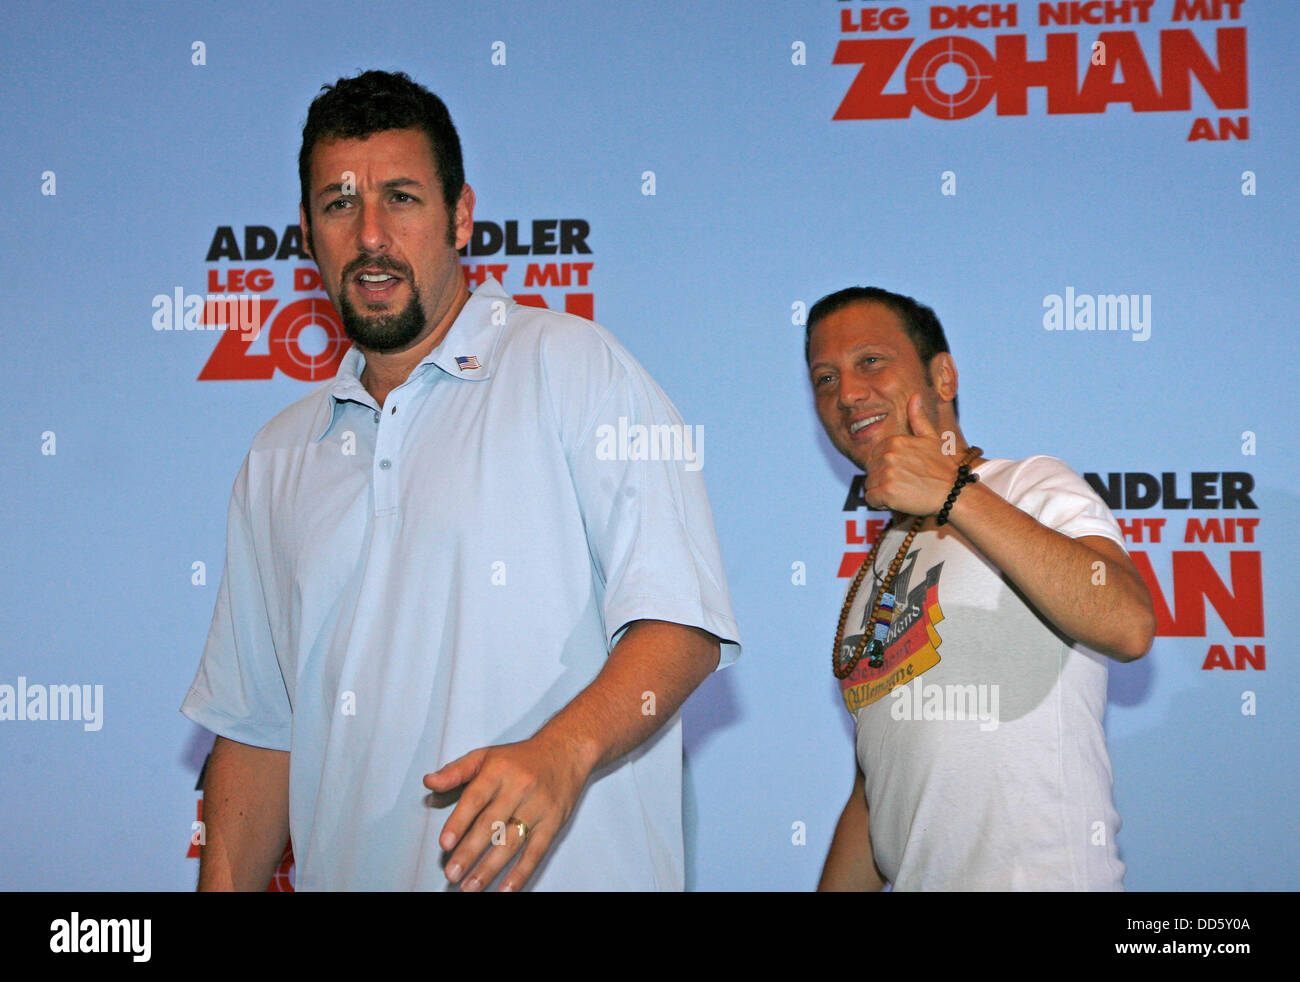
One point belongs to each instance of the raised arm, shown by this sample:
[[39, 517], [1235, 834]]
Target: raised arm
[[1087, 587]]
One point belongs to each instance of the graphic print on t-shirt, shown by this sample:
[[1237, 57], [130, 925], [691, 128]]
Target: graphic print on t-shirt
[[912, 645]]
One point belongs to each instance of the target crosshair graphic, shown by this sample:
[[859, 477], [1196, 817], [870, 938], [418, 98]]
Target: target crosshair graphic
[[320, 313], [927, 78]]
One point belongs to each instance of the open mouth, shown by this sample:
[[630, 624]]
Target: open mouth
[[377, 285], [859, 426]]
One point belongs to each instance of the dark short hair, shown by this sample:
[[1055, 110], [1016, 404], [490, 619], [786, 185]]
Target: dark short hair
[[374, 101], [920, 323]]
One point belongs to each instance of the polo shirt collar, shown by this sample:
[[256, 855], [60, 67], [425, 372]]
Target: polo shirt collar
[[465, 352], [471, 343]]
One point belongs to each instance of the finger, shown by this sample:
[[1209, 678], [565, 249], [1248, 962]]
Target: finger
[[490, 830], [916, 418], [476, 797], [872, 490], [875, 498], [873, 467], [460, 771], [539, 840], [503, 845]]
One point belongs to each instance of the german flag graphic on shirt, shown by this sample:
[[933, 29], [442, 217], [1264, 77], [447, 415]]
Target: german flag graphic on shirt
[[911, 648]]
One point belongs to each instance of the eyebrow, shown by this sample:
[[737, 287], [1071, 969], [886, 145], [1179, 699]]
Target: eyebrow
[[397, 182], [866, 348]]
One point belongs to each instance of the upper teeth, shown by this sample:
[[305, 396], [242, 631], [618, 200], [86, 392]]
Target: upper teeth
[[853, 428], [375, 277]]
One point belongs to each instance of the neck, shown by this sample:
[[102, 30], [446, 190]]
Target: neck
[[948, 425], [386, 370]]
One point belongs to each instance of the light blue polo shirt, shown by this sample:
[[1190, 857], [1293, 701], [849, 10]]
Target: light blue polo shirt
[[405, 585]]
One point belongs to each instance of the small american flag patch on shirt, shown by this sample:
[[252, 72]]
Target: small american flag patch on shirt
[[466, 362]]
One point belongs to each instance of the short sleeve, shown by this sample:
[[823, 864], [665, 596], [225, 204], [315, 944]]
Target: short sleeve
[[1056, 496], [637, 469], [239, 691]]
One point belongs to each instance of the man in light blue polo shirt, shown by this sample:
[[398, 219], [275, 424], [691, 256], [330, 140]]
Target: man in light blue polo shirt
[[462, 565]]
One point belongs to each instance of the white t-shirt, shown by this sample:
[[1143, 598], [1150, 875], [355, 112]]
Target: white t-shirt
[[981, 737], [405, 585]]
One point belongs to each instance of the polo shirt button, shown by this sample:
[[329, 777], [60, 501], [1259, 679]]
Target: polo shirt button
[[385, 464], [377, 417]]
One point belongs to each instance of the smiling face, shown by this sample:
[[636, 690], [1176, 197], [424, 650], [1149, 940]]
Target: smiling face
[[383, 240], [863, 369]]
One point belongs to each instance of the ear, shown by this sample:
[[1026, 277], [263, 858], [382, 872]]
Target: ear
[[463, 221], [943, 376], [306, 232]]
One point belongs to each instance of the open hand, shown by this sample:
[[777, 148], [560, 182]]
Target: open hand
[[529, 782]]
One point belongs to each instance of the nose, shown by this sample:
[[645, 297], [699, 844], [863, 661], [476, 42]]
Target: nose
[[372, 229], [853, 389]]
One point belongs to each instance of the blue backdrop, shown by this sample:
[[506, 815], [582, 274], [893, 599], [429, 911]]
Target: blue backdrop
[[701, 145]]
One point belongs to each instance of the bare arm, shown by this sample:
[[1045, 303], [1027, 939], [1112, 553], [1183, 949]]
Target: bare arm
[[646, 678], [850, 864], [615, 714], [245, 814], [1087, 587]]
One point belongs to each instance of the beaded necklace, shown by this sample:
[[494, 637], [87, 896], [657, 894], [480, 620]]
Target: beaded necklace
[[882, 607], [882, 600]]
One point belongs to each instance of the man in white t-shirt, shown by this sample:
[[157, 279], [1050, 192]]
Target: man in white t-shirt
[[972, 653], [450, 569]]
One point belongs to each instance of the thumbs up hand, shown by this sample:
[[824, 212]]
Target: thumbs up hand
[[913, 473]]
